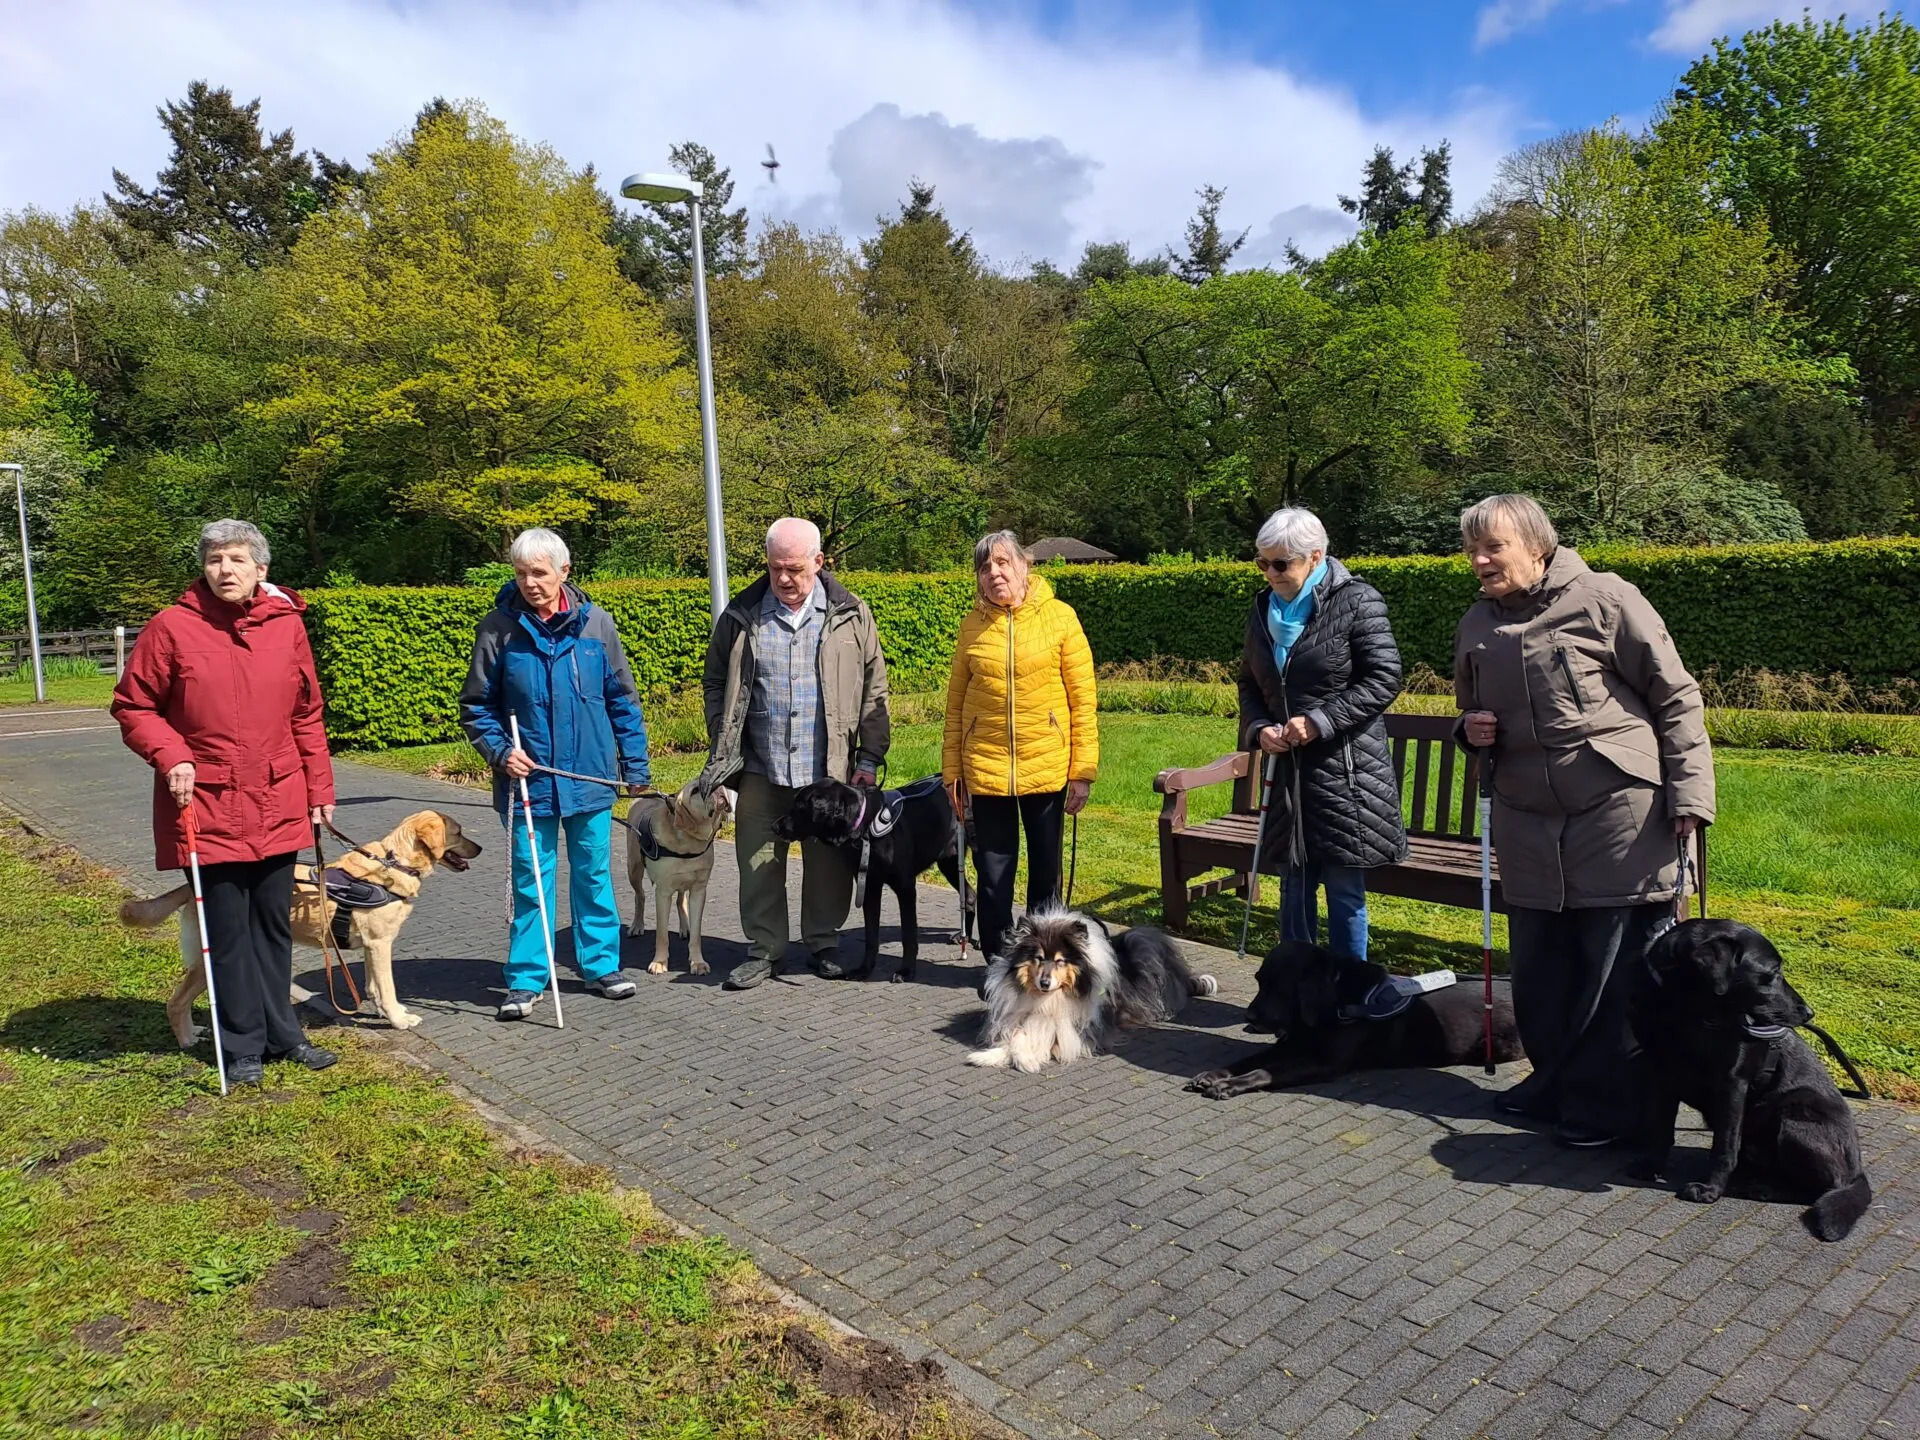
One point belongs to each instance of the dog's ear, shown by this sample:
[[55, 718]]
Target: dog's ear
[[1319, 994]]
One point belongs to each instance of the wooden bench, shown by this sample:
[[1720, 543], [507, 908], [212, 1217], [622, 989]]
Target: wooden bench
[[1443, 838]]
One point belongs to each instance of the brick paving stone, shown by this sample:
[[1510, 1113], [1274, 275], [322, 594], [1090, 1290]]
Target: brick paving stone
[[1047, 1230]]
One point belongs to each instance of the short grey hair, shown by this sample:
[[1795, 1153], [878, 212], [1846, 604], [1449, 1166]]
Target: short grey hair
[[1521, 514], [1292, 533], [805, 531], [218, 534], [540, 544], [1000, 539]]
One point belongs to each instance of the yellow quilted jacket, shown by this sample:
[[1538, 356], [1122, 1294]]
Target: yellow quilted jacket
[[1022, 708]]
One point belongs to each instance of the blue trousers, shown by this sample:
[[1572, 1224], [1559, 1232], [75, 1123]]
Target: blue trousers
[[1346, 907], [596, 914]]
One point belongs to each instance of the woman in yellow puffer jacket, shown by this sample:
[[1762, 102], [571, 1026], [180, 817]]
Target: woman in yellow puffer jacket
[[1023, 731]]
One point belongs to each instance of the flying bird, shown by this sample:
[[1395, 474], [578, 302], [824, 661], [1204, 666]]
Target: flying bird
[[771, 165]]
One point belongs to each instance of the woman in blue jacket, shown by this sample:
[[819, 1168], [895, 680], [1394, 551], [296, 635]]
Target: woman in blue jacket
[[549, 656]]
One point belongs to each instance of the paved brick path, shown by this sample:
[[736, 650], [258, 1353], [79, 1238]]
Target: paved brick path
[[1094, 1251]]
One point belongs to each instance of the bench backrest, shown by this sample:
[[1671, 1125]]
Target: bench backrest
[[1437, 798]]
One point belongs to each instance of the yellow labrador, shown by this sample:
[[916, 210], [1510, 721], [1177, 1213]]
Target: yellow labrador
[[670, 842], [399, 863]]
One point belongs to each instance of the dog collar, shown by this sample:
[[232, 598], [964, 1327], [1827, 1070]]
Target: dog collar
[[1766, 1032]]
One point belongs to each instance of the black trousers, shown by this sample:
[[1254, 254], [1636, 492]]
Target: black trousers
[[997, 821], [250, 931], [1575, 972]]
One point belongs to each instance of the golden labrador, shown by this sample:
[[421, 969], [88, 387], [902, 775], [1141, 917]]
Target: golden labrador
[[681, 829], [399, 863]]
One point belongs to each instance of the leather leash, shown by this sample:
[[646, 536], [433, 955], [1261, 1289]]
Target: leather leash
[[329, 952]]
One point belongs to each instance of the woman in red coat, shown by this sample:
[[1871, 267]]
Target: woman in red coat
[[221, 698]]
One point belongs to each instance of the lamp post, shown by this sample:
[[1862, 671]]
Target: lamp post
[[664, 189], [26, 568]]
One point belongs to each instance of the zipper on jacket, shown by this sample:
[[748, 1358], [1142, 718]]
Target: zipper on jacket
[[1013, 748], [1566, 668]]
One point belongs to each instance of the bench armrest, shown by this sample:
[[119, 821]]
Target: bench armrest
[[1198, 777]]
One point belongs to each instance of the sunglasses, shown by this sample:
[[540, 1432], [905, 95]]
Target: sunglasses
[[1271, 565]]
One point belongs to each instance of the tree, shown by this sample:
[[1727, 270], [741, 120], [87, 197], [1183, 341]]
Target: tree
[[1818, 451], [655, 243], [461, 346], [226, 186], [1204, 407], [1636, 311], [1208, 249], [1809, 131], [1387, 194]]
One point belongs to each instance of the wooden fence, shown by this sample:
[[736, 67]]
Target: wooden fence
[[108, 649]]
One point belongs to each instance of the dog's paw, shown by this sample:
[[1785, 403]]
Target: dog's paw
[[194, 1035], [1646, 1169], [403, 1020], [1698, 1192], [994, 1059], [658, 967], [697, 966], [1211, 1083]]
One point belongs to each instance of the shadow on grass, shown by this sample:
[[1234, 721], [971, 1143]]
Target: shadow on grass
[[90, 1027]]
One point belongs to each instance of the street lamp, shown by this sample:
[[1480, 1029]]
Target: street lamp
[[662, 190], [26, 567]]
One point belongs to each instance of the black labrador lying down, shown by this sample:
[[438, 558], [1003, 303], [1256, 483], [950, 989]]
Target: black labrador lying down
[[906, 832], [1305, 998], [1716, 1020]]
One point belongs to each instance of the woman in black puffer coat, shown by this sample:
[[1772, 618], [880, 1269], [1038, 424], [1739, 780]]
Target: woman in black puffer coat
[[1317, 674]]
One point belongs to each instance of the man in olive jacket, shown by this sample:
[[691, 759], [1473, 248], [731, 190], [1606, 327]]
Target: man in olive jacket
[[796, 691]]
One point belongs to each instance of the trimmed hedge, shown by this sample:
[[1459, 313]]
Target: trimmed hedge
[[392, 660]]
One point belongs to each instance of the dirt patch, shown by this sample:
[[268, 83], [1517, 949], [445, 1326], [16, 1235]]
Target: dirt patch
[[308, 1279], [314, 1222], [367, 1383], [869, 1371], [276, 1188], [271, 1329], [105, 1336], [7, 1073], [67, 1154]]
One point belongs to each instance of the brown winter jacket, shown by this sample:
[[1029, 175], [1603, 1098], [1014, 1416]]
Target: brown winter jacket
[[1602, 738]]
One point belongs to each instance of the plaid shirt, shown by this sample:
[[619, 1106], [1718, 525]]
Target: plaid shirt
[[786, 736]]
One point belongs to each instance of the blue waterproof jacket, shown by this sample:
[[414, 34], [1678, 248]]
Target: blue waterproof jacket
[[569, 683]]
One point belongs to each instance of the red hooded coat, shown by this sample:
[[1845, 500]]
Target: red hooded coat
[[231, 688]]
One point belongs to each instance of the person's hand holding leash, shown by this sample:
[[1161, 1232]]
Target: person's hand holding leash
[[322, 815], [1483, 728], [1684, 826], [518, 764], [862, 776], [180, 783], [1077, 791]]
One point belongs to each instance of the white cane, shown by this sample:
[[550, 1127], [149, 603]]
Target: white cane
[[206, 948], [1259, 838], [539, 882]]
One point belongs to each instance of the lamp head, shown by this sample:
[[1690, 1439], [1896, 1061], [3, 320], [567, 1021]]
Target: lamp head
[[661, 189]]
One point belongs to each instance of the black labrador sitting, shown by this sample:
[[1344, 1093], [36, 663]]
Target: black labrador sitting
[[904, 833], [1716, 1019], [1314, 1003]]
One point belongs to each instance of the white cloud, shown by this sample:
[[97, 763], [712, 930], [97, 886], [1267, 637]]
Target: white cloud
[[1312, 228], [1691, 26], [1504, 19], [1038, 141]]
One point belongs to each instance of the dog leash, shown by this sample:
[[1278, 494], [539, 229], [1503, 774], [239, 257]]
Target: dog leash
[[329, 952]]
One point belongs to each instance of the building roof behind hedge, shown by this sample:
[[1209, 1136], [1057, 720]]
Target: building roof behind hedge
[[1061, 547]]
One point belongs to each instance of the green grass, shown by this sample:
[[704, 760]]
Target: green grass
[[62, 693], [152, 1236]]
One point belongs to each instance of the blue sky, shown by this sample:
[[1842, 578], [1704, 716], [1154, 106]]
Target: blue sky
[[1044, 124]]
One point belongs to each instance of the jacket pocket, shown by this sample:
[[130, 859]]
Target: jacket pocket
[[1638, 761], [1564, 667]]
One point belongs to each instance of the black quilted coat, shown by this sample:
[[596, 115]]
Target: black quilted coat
[[1337, 800]]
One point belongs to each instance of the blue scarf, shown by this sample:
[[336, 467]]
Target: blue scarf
[[1287, 618]]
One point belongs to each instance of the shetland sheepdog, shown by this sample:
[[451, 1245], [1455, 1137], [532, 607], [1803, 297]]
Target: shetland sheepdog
[[1065, 987]]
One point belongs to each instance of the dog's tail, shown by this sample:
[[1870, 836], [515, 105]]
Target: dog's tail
[[145, 914], [1835, 1213], [1205, 985]]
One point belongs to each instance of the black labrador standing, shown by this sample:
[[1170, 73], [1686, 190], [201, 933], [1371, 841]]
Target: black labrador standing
[[1716, 1019], [1316, 1004], [904, 833]]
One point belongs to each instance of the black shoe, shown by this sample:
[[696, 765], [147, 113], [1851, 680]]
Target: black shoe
[[1584, 1137], [245, 1070], [825, 966], [747, 974], [1526, 1101], [311, 1056]]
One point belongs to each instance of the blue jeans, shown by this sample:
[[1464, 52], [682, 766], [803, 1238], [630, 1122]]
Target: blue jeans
[[1346, 907], [596, 914]]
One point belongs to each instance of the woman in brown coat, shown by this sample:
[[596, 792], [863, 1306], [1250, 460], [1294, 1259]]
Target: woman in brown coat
[[1601, 769]]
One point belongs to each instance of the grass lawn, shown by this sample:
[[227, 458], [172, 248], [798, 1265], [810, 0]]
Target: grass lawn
[[1822, 852], [344, 1254], [94, 690]]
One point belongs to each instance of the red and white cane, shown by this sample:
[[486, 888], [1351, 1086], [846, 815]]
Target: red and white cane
[[206, 947]]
